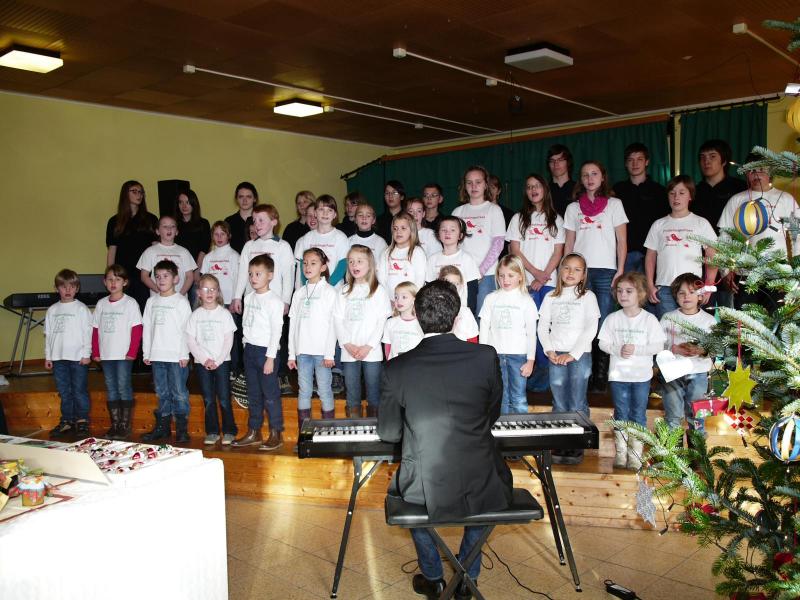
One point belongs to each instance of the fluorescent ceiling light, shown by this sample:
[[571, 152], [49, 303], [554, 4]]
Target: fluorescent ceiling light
[[30, 59], [298, 108], [793, 89]]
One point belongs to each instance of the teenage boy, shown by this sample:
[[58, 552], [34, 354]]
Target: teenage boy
[[394, 196], [644, 201], [559, 162], [298, 228], [167, 249], [432, 198], [351, 203], [165, 350], [716, 188], [262, 323]]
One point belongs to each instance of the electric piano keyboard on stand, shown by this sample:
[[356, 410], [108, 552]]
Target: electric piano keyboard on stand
[[522, 435]]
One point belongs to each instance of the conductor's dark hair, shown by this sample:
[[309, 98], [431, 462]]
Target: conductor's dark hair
[[437, 305]]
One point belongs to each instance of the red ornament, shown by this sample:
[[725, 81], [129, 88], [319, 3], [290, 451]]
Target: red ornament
[[740, 420], [780, 559], [706, 508]]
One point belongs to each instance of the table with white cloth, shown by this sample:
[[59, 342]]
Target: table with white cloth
[[154, 533]]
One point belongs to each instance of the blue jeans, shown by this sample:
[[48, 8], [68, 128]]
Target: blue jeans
[[430, 563], [515, 400], [678, 396], [173, 395], [263, 391], [71, 377], [634, 261], [117, 374], [309, 365], [216, 385], [486, 286], [372, 378], [630, 400], [568, 384], [539, 379], [667, 302], [599, 281]]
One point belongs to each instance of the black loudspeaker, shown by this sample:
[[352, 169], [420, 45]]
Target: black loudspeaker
[[168, 191]]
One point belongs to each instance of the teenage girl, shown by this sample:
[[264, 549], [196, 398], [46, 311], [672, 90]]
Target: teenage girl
[[209, 335], [404, 259], [116, 336], [466, 327], [596, 227], [402, 332], [452, 232], [427, 237], [486, 228], [312, 337], [359, 315], [508, 322], [632, 337], [327, 238], [568, 321]]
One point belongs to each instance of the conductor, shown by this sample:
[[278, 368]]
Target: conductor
[[441, 399]]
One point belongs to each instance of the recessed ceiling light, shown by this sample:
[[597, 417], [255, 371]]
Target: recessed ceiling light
[[298, 108], [31, 59]]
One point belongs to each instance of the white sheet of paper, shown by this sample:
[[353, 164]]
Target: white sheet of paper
[[672, 366]]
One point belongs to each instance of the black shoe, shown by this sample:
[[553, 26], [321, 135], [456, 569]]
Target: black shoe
[[568, 457], [463, 592], [426, 587], [63, 428], [82, 427]]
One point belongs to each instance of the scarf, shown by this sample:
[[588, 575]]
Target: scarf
[[591, 209]]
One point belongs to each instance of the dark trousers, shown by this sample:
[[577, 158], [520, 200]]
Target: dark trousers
[[263, 391]]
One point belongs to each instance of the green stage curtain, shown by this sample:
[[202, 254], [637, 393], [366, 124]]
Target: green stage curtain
[[741, 126], [513, 161]]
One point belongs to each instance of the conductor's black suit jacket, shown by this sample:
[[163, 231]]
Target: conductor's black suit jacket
[[441, 399]]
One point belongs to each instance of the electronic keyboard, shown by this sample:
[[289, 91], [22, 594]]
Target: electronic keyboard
[[42, 300]]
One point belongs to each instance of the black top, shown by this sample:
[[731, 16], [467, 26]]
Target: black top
[[195, 239], [131, 242], [709, 201], [239, 233], [562, 196], [383, 226], [643, 203], [347, 226], [433, 224], [294, 231]]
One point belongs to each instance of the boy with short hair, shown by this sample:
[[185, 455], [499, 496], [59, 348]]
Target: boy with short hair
[[432, 198], [262, 322], [716, 188], [165, 349], [67, 351], [167, 249]]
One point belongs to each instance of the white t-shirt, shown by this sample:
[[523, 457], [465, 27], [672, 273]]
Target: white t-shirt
[[460, 259], [779, 206], [401, 335], [164, 331], [466, 326], [177, 254], [428, 240], [508, 322], [595, 237], [114, 321], [283, 278], [210, 334], [334, 244], [644, 332], [262, 321], [539, 243], [311, 329], [568, 323], [359, 319], [676, 335], [678, 254], [397, 268], [223, 263], [484, 223], [68, 331], [374, 242]]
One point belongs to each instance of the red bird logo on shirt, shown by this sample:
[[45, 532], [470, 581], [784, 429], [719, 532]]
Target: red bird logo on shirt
[[537, 231], [675, 238], [587, 219], [396, 267]]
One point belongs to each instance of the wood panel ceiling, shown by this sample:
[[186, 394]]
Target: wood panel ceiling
[[629, 57]]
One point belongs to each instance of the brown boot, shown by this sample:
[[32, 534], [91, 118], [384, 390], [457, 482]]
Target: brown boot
[[302, 415], [251, 438], [355, 412], [328, 414], [274, 441]]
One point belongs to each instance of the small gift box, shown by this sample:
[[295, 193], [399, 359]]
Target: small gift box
[[33, 490], [708, 407]]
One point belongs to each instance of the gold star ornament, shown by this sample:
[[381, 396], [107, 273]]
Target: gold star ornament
[[739, 387]]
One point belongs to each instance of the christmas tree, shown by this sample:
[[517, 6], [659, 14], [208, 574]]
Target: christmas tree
[[746, 508]]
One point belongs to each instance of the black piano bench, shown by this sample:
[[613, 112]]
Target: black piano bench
[[523, 509]]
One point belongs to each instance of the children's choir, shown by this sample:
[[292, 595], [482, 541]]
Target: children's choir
[[323, 302]]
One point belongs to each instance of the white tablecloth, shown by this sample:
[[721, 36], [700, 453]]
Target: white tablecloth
[[158, 535]]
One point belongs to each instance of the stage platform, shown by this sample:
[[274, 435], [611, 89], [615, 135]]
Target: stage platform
[[593, 493]]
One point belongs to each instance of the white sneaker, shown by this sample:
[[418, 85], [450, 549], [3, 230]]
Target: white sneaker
[[227, 438], [211, 439]]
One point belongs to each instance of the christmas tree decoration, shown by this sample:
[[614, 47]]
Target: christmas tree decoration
[[739, 386], [644, 503], [751, 218], [708, 407], [742, 420], [784, 439]]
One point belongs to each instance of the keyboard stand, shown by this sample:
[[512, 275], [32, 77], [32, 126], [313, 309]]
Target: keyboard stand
[[359, 481], [26, 322], [544, 473]]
